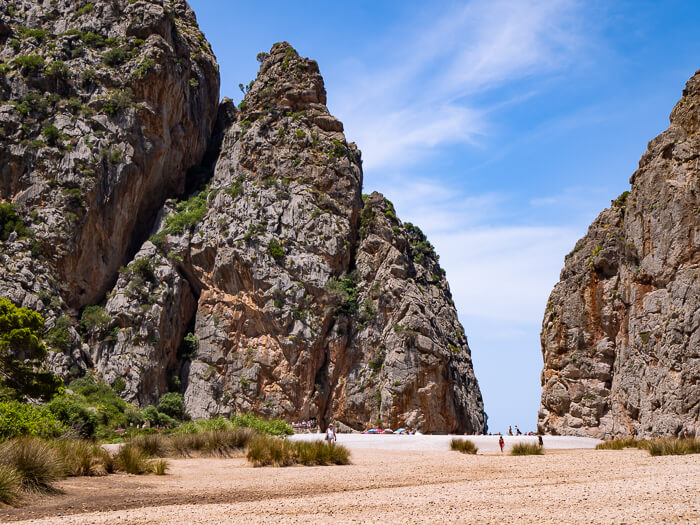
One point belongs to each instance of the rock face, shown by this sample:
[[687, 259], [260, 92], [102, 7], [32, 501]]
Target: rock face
[[311, 303], [103, 108], [274, 287], [621, 337]]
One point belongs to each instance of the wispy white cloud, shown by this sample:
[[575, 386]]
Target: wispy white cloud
[[504, 274], [420, 99]]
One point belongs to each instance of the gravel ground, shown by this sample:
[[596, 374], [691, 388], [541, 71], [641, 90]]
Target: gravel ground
[[390, 486]]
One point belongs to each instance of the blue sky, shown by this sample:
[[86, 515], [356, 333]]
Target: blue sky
[[501, 128]]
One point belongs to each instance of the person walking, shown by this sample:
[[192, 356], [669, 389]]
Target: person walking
[[539, 440], [501, 443], [510, 431], [330, 435]]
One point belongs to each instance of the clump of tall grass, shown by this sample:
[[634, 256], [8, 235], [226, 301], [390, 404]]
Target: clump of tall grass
[[220, 443], [617, 444], [464, 446], [526, 449], [154, 445], [132, 459], [656, 447], [267, 450], [84, 458], [160, 467], [320, 453], [36, 462], [10, 486], [673, 446]]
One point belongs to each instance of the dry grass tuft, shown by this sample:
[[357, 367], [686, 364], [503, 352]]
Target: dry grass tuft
[[10, 486], [133, 459], [526, 449], [464, 446], [160, 467], [36, 462], [268, 450]]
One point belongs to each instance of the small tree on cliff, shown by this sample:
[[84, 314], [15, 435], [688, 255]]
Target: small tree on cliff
[[21, 354]]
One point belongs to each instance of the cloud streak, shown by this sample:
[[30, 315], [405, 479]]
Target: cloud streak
[[420, 100]]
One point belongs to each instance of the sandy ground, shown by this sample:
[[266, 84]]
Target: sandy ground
[[390, 486], [485, 444]]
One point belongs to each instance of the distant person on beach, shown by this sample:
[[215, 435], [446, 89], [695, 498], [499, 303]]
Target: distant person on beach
[[510, 431], [539, 441], [330, 434], [517, 431], [501, 443]]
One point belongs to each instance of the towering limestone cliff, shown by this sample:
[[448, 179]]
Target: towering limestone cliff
[[310, 301], [230, 257], [103, 108], [621, 337]]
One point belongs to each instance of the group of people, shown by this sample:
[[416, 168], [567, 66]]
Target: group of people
[[305, 425], [502, 442]]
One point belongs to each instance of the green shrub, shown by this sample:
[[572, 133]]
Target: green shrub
[[187, 214], [29, 63], [95, 318], [275, 427], [171, 404], [338, 150], [88, 76], [58, 69], [275, 250], [190, 344], [11, 222], [152, 415], [19, 419], [526, 449], [98, 396], [74, 415], [464, 446], [119, 99], [421, 248], [115, 57], [20, 330], [345, 291], [51, 134], [621, 201], [10, 485], [36, 462], [92, 39], [144, 67], [37, 34], [58, 336], [87, 8]]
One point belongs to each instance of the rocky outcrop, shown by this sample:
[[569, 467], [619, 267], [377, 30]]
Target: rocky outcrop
[[271, 287], [103, 108], [620, 336], [308, 305]]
